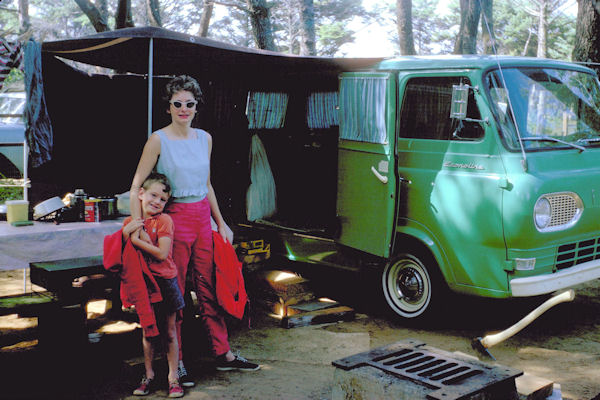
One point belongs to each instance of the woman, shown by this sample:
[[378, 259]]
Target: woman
[[182, 153]]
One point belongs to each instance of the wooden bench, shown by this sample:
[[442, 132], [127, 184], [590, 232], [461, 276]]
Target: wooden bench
[[62, 319], [26, 305]]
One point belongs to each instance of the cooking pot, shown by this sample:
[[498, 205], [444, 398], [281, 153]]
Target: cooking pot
[[47, 207]]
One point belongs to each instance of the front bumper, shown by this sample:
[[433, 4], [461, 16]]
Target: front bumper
[[548, 283]]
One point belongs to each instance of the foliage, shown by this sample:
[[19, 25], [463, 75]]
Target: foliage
[[331, 37], [15, 75], [9, 22], [434, 32], [232, 28], [516, 31], [10, 193], [332, 18]]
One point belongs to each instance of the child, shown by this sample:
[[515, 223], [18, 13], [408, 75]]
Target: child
[[153, 236]]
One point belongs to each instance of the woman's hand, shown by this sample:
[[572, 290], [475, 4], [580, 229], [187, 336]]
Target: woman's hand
[[223, 232]]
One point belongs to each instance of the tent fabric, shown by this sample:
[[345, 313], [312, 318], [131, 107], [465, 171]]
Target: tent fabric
[[127, 50], [38, 129]]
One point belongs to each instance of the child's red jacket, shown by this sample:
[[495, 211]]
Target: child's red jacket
[[231, 292], [138, 286]]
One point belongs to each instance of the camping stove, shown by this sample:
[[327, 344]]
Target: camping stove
[[437, 374]]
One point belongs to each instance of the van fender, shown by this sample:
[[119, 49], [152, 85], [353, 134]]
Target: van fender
[[409, 237]]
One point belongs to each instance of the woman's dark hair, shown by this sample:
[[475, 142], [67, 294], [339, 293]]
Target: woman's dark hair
[[184, 82]]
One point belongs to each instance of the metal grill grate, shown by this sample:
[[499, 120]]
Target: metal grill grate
[[564, 209], [449, 377], [576, 253]]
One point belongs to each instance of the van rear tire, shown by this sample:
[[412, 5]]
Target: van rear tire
[[411, 288]]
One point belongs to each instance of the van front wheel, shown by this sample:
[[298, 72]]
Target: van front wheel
[[407, 286]]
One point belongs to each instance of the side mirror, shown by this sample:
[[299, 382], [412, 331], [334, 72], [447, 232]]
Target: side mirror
[[460, 99], [460, 96]]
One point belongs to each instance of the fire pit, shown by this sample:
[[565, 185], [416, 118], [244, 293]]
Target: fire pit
[[412, 370]]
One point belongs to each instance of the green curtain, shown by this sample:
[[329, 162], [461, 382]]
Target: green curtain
[[362, 109], [266, 110], [321, 110]]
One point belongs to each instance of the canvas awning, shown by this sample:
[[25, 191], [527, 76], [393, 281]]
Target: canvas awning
[[173, 53]]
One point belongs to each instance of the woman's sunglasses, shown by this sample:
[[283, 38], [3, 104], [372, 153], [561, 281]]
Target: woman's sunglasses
[[188, 104]]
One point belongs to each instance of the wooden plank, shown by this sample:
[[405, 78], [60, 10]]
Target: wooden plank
[[334, 314], [313, 306], [25, 305], [57, 276]]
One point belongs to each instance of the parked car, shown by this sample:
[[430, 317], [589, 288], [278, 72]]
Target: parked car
[[12, 134]]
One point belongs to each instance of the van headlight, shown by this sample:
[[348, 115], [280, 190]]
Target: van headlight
[[557, 211], [542, 213]]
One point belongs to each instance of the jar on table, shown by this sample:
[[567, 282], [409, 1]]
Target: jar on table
[[80, 197]]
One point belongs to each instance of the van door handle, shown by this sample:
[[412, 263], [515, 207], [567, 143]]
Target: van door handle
[[383, 179]]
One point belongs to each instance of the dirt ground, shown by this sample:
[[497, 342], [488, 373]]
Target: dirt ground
[[563, 346]]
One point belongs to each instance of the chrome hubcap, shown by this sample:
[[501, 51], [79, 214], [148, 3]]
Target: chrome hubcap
[[410, 285]]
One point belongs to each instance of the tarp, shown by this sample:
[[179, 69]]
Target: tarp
[[100, 121], [175, 53]]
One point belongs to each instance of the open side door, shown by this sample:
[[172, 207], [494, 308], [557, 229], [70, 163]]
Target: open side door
[[366, 193]]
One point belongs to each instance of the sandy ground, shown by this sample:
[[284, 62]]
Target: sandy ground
[[563, 346]]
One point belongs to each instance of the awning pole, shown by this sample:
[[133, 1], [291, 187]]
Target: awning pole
[[150, 72]]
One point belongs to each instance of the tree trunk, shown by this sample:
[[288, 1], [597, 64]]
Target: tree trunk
[[542, 29], [526, 47], [103, 8], [587, 33], [466, 41], [94, 15], [261, 24], [123, 19], [207, 10], [405, 31], [153, 12], [24, 21], [487, 26], [308, 46]]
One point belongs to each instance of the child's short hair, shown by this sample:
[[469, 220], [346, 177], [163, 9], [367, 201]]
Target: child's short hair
[[155, 177]]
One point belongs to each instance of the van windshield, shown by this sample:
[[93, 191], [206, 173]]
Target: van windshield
[[553, 108]]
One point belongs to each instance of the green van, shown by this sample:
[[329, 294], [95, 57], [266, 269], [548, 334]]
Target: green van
[[471, 173]]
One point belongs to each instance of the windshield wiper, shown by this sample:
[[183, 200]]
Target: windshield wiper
[[544, 138], [589, 140]]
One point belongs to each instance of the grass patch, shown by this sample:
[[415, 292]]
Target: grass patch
[[10, 192]]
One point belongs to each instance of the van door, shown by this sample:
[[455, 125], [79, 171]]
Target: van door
[[366, 192]]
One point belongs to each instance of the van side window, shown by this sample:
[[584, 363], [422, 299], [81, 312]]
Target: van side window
[[426, 111], [362, 109]]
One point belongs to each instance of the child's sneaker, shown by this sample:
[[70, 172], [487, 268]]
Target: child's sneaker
[[175, 389], [144, 388]]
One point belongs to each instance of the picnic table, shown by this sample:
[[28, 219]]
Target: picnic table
[[46, 241], [55, 254]]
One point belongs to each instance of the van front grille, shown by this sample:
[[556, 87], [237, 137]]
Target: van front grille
[[577, 253], [564, 209]]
